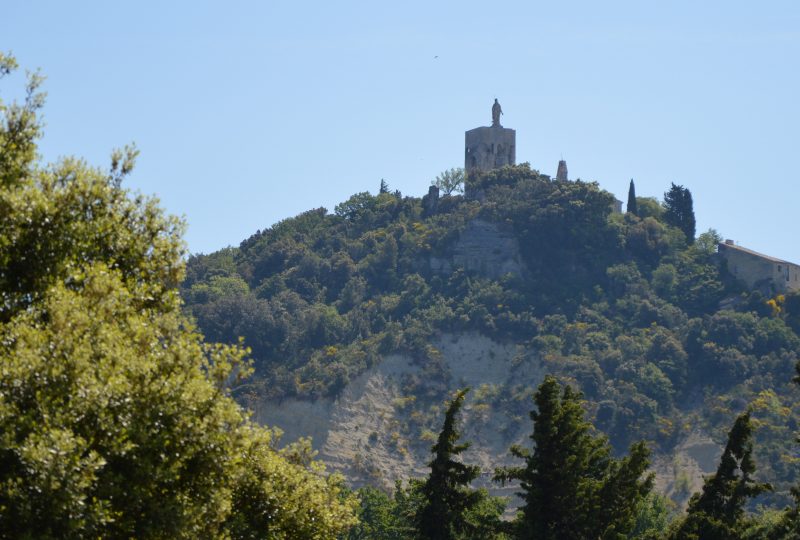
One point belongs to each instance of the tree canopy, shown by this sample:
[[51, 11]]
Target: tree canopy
[[450, 508], [679, 210], [571, 487], [450, 182], [621, 307], [718, 513], [631, 207], [116, 419]]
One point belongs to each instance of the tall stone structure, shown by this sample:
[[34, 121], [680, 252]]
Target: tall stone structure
[[487, 148], [561, 173]]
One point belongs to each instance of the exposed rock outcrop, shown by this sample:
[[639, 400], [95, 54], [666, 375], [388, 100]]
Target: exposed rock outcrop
[[360, 433], [483, 248]]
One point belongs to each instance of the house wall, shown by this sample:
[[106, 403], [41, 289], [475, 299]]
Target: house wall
[[757, 270]]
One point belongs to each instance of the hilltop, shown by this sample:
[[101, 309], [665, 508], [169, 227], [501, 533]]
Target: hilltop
[[362, 320]]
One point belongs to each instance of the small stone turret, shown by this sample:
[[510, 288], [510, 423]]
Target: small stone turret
[[561, 173], [430, 202]]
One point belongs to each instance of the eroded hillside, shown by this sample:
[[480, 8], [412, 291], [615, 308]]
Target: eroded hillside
[[367, 432], [362, 321]]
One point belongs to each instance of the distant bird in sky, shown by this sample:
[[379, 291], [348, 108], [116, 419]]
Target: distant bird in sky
[[435, 57]]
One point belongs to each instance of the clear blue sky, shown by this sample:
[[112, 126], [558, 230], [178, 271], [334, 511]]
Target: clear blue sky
[[250, 112]]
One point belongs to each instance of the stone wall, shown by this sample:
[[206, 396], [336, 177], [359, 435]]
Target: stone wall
[[758, 271], [487, 148]]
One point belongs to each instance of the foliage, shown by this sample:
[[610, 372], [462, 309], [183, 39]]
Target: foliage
[[618, 305], [649, 207], [659, 337], [450, 510], [571, 486], [19, 127], [631, 206], [450, 181], [654, 515], [115, 417], [679, 211], [380, 517], [718, 511], [283, 494]]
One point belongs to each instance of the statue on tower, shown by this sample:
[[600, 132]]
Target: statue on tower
[[496, 112]]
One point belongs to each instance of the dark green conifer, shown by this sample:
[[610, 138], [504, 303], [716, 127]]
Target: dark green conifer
[[571, 486], [679, 210], [631, 208], [451, 509], [717, 513]]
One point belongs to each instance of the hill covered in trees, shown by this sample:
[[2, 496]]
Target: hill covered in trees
[[627, 307], [117, 416]]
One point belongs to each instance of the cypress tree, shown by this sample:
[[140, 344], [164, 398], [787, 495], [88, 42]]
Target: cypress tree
[[631, 208], [717, 512], [679, 210], [571, 486]]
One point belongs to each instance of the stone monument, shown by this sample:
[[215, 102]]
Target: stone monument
[[497, 110], [561, 173], [492, 147]]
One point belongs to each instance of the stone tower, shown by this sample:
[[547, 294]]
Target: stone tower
[[561, 173], [487, 148]]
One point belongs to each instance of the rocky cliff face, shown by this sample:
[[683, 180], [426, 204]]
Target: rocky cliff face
[[361, 434], [483, 248]]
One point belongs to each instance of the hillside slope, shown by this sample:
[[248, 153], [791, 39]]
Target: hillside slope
[[355, 320]]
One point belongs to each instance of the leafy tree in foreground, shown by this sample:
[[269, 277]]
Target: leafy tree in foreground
[[631, 207], [717, 513], [679, 210], [450, 509], [571, 486], [115, 423], [115, 416]]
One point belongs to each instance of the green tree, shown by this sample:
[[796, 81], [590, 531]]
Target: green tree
[[384, 187], [571, 486], [450, 181], [649, 207], [451, 509], [631, 207], [787, 527], [653, 517], [356, 206], [717, 513], [679, 210], [116, 423], [116, 419], [380, 517], [19, 129]]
